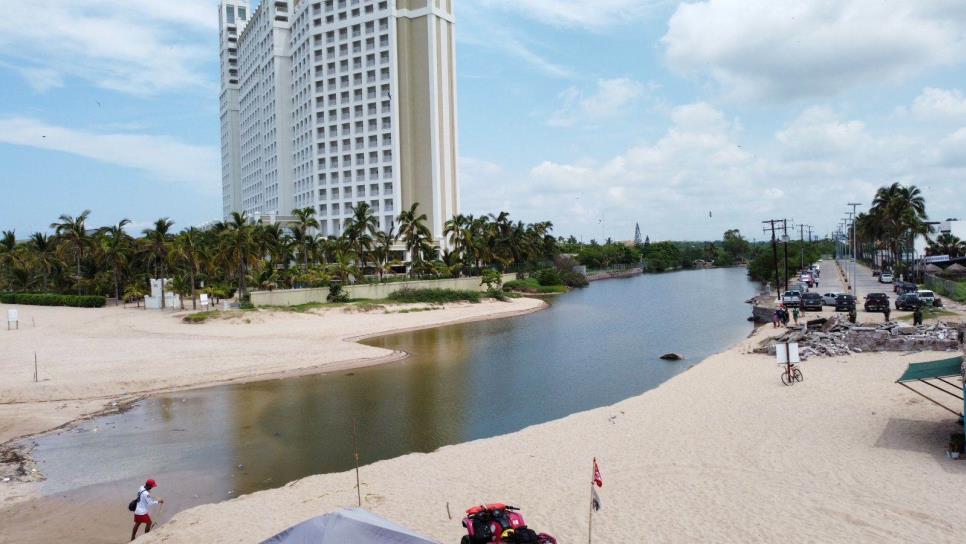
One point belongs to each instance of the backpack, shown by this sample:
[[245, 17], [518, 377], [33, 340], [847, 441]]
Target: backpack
[[133, 505]]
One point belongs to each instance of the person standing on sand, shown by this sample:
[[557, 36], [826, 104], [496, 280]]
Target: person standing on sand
[[886, 312], [795, 315], [775, 318], [144, 502]]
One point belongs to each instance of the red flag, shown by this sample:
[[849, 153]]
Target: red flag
[[598, 479]]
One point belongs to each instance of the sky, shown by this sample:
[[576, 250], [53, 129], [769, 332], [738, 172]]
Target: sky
[[689, 118]]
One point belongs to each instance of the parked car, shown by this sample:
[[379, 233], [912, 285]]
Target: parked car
[[829, 299], [792, 299], [844, 303], [800, 287], [905, 287], [875, 273], [929, 298], [876, 302], [908, 301], [812, 301], [885, 277]]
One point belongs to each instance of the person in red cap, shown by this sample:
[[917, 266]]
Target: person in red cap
[[144, 503]]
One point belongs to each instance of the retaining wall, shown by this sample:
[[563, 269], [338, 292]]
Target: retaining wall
[[292, 297]]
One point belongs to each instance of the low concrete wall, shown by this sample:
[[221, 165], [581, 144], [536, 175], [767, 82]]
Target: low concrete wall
[[292, 297]]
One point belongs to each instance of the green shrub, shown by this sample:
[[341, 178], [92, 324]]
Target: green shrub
[[497, 294], [337, 293], [53, 299], [437, 296], [574, 279], [529, 285], [491, 279], [549, 276]]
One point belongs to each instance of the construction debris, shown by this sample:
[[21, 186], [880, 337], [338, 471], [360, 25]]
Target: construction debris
[[834, 337]]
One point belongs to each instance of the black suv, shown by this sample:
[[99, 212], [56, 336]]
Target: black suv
[[876, 302], [908, 301], [844, 303], [812, 301]]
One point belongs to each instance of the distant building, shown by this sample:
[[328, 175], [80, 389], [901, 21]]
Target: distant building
[[331, 103]]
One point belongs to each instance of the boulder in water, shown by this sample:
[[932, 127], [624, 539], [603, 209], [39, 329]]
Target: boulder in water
[[672, 357]]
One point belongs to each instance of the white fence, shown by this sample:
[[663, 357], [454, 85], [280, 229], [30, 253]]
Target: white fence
[[292, 297]]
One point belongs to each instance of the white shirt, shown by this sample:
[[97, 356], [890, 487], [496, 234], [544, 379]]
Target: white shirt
[[145, 501]]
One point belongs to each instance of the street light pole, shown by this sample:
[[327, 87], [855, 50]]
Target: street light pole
[[854, 245]]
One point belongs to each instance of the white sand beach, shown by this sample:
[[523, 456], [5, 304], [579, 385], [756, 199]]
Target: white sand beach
[[721, 453]]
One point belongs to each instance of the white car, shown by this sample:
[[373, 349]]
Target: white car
[[928, 298], [885, 277], [828, 299]]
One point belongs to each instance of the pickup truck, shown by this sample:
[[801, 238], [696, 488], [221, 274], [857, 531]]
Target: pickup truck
[[929, 298], [876, 302], [792, 299]]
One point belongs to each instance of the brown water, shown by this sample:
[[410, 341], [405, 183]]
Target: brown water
[[592, 348]]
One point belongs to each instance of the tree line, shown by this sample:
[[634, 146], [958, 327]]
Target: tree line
[[239, 254]]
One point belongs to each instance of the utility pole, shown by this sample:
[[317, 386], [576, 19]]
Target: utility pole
[[785, 241], [854, 244], [774, 248], [801, 241]]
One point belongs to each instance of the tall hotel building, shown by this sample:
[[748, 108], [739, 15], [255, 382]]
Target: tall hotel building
[[327, 104]]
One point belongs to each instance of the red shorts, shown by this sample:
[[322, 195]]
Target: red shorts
[[142, 518]]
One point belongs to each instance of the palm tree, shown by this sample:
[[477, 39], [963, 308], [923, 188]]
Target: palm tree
[[415, 234], [239, 248], [159, 240], [360, 229], [947, 244], [187, 251], [343, 266], [901, 211], [115, 246], [382, 251], [74, 233], [305, 220], [136, 292]]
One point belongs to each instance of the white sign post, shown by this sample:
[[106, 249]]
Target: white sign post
[[787, 353], [12, 319], [204, 300]]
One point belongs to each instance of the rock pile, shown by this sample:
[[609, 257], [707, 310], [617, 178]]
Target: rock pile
[[833, 337]]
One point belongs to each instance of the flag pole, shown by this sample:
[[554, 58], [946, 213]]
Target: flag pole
[[355, 447], [590, 515]]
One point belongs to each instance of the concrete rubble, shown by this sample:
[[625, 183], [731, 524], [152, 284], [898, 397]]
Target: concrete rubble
[[834, 337]]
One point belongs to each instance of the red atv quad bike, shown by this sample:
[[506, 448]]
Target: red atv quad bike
[[497, 523]]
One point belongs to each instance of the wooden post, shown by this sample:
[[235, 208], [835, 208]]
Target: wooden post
[[590, 516], [355, 448], [35, 367]]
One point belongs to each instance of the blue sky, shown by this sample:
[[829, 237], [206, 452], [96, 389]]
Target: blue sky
[[689, 118]]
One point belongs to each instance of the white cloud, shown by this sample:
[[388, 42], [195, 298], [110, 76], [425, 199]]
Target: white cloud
[[41, 79], [940, 104], [161, 157], [952, 150], [817, 133], [579, 13], [480, 30], [133, 47], [784, 50], [611, 98], [704, 162]]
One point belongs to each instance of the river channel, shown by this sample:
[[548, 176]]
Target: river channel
[[592, 347]]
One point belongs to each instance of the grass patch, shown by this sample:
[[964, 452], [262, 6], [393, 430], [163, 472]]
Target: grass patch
[[930, 313], [414, 310], [434, 296], [200, 317], [363, 307], [531, 285]]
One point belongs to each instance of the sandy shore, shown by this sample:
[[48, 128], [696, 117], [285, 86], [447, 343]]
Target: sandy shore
[[721, 453]]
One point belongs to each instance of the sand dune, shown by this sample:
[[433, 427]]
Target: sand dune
[[721, 453]]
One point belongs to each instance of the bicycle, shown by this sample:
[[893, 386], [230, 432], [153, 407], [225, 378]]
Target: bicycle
[[791, 375]]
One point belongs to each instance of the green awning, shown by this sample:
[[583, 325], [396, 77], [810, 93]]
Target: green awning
[[932, 369]]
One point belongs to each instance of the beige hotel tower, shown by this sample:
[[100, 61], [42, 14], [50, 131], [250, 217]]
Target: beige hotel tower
[[329, 103]]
